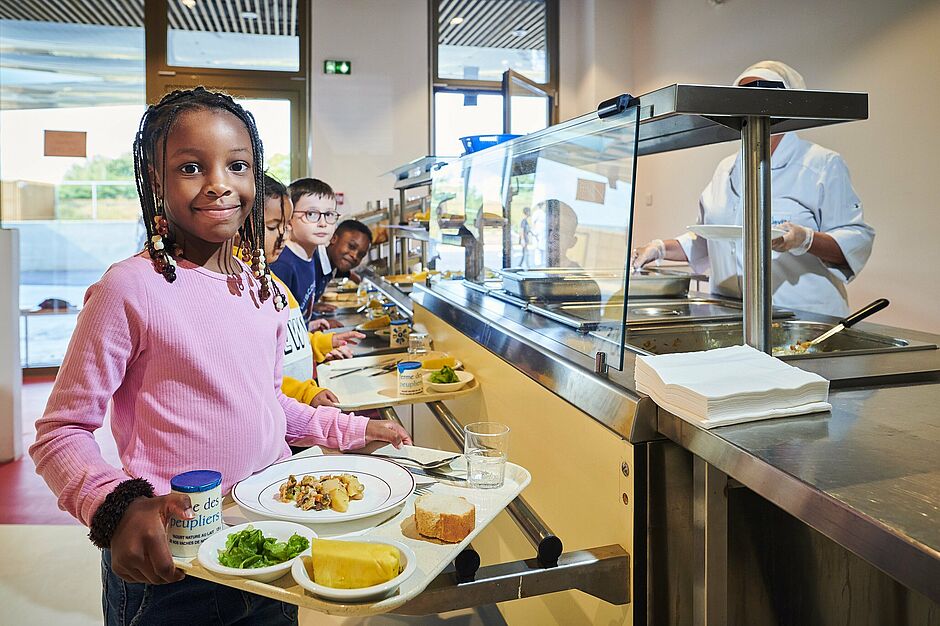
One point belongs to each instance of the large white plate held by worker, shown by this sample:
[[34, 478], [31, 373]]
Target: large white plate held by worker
[[726, 231], [387, 485]]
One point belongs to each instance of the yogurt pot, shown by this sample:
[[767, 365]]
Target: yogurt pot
[[410, 380], [398, 333], [204, 488]]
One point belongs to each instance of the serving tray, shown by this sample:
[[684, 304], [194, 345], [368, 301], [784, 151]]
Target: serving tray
[[433, 556]]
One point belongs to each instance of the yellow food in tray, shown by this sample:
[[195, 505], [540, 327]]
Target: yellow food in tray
[[438, 362], [377, 323], [352, 564]]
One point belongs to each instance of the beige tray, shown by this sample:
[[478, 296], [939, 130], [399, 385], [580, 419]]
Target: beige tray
[[360, 391], [433, 556]]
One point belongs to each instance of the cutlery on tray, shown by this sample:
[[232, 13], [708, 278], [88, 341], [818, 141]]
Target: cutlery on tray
[[419, 464], [437, 476]]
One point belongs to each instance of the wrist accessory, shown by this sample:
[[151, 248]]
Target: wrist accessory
[[105, 520]]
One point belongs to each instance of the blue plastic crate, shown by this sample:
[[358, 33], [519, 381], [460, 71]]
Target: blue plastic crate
[[475, 143]]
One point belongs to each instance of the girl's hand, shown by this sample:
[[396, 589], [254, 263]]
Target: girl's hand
[[323, 307], [386, 430], [139, 549], [318, 324], [324, 398], [339, 353], [350, 336]]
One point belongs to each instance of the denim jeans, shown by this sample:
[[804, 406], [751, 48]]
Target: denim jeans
[[189, 602]]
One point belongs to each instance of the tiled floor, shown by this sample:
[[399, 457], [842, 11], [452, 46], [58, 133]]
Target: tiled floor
[[27, 498]]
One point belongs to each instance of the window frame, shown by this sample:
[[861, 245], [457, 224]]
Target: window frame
[[463, 85], [242, 83]]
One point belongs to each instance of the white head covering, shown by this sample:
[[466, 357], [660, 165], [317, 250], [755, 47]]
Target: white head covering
[[774, 70]]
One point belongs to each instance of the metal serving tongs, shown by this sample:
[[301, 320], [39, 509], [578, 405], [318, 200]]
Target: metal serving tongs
[[850, 321]]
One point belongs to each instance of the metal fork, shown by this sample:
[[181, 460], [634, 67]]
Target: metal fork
[[430, 465], [423, 490]]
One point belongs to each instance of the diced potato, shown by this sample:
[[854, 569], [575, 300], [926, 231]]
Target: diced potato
[[339, 500], [330, 484]]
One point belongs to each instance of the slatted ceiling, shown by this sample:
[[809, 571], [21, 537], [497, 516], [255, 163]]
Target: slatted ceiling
[[275, 17], [490, 23]]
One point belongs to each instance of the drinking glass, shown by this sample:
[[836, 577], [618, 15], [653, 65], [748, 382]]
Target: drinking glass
[[486, 446], [419, 343]]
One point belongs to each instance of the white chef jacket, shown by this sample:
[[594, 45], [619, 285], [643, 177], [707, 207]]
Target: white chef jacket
[[810, 185]]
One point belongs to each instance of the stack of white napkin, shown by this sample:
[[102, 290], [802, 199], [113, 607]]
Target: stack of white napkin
[[729, 386]]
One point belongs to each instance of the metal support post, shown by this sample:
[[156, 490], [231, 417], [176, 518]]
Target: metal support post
[[602, 572], [710, 544], [755, 159], [389, 413]]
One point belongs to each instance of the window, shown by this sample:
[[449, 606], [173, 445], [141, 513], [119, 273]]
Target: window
[[474, 42], [234, 35], [90, 68], [81, 70]]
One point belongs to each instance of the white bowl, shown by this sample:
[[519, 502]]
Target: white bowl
[[375, 592], [463, 379], [209, 550]]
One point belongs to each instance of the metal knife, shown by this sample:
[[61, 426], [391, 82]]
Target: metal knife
[[444, 478]]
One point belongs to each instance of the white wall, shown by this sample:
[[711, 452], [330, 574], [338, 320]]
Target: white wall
[[365, 124], [11, 376], [595, 59], [888, 49]]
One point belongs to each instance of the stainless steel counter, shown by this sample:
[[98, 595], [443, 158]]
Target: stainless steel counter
[[867, 475]]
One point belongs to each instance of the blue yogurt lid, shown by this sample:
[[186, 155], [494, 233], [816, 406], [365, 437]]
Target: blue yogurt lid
[[404, 366], [196, 481]]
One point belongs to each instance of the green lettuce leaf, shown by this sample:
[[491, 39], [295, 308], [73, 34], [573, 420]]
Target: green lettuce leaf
[[249, 549]]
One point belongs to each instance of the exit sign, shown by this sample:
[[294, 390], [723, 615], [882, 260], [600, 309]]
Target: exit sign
[[337, 67]]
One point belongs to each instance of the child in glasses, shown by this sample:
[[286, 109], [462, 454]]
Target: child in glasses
[[303, 265]]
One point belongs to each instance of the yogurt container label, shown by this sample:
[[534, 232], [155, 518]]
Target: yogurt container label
[[204, 488]]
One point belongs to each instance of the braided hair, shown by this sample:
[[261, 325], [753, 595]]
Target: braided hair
[[155, 127]]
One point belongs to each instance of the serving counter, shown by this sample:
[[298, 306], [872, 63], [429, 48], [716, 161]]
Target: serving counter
[[830, 518], [731, 523]]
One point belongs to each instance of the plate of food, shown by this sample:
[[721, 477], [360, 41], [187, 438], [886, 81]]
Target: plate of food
[[380, 322], [369, 568], [262, 551], [447, 379], [726, 231], [325, 489]]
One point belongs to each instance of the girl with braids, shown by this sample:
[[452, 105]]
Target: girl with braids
[[186, 343]]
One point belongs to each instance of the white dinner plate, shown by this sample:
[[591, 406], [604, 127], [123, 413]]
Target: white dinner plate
[[726, 231], [387, 485]]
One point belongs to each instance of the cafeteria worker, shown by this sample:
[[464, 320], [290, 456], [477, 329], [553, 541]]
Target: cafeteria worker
[[826, 241]]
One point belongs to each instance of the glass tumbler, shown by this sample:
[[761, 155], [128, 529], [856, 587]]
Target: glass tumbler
[[486, 447], [418, 343]]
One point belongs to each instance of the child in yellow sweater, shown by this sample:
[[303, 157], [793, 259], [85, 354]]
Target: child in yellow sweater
[[302, 347]]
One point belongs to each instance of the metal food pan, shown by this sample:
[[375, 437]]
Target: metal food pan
[[696, 337], [553, 284]]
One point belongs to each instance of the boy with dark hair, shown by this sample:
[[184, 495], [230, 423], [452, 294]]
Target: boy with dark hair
[[348, 247]]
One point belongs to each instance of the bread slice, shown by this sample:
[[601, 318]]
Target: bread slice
[[448, 518]]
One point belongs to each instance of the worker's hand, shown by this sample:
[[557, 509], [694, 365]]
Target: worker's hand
[[796, 240], [653, 251], [348, 337], [386, 430], [139, 549], [324, 398], [318, 324]]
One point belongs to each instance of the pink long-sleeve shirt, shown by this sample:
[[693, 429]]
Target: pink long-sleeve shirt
[[194, 372]]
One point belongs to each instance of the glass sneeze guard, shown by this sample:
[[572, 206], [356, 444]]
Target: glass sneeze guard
[[549, 214]]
